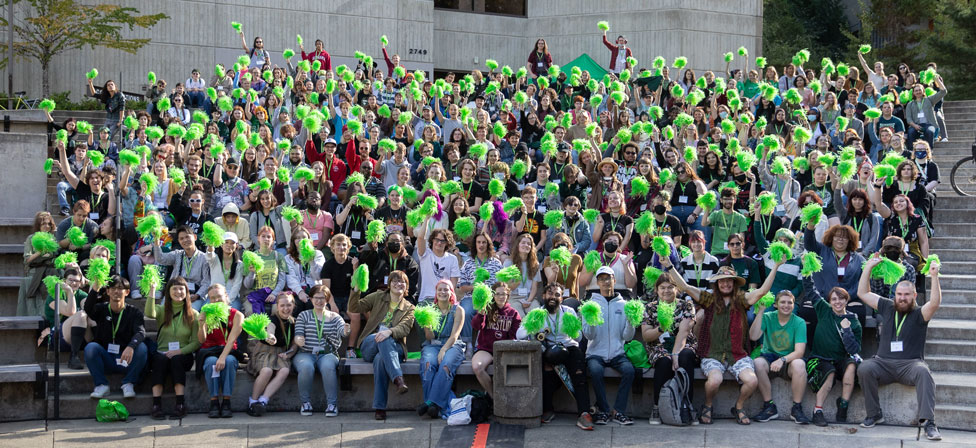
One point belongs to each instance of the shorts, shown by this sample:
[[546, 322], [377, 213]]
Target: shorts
[[341, 303], [783, 372], [710, 364], [819, 368]]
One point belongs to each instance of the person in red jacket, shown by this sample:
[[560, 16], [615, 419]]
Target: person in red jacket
[[315, 147], [318, 55], [539, 59], [357, 151], [618, 58], [391, 63], [335, 168]]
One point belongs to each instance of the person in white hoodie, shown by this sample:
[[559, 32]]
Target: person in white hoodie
[[606, 349]]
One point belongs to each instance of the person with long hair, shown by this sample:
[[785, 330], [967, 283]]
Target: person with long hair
[[37, 265], [114, 101], [859, 215], [264, 283], [483, 256], [525, 258], [267, 213], [302, 274], [841, 261], [671, 348], [442, 351], [218, 357], [271, 358], [901, 220], [497, 322], [539, 59], [176, 343], [318, 336], [614, 219]]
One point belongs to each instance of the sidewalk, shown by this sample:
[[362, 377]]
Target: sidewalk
[[405, 429]]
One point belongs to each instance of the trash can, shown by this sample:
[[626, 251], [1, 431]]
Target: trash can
[[517, 383]]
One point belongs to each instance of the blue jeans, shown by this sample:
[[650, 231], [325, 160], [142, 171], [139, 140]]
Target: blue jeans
[[224, 383], [927, 132], [438, 378], [385, 357], [468, 305], [620, 363], [99, 361], [197, 99], [682, 212], [327, 364], [63, 188]]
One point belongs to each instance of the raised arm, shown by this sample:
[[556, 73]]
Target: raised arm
[[929, 309], [864, 285], [753, 296], [683, 286]]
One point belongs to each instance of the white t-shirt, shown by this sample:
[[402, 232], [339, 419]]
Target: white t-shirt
[[433, 269]]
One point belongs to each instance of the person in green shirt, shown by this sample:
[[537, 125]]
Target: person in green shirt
[[176, 342], [725, 222], [784, 340], [836, 344], [69, 310]]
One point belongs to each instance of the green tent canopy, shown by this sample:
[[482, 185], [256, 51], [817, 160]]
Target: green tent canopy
[[586, 63]]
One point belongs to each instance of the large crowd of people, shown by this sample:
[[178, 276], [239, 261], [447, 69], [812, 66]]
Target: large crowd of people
[[746, 222]]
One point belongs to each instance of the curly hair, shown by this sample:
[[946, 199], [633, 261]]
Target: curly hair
[[852, 236]]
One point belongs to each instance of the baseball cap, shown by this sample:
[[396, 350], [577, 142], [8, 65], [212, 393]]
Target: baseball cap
[[231, 161], [230, 235], [330, 141], [604, 270]]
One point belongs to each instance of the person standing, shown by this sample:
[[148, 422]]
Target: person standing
[[903, 325]]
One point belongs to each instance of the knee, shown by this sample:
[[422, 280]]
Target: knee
[[92, 349], [748, 380], [798, 367]]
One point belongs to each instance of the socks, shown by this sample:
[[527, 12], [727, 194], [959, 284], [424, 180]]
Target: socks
[[818, 408], [157, 401], [179, 399], [251, 401], [77, 340], [263, 399]]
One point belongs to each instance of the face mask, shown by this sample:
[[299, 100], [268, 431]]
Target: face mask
[[723, 114], [660, 209], [921, 154], [611, 247], [499, 176], [740, 177], [812, 117], [393, 246]]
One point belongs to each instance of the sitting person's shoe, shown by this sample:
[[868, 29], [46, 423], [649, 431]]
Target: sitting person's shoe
[[100, 391], [380, 414], [225, 411], [621, 419], [75, 363], [306, 409], [818, 418], [214, 409], [585, 422], [400, 385], [655, 418], [179, 411], [548, 416], [842, 405], [931, 431], [869, 422], [768, 413], [260, 408], [601, 418], [798, 416], [422, 409], [157, 412], [128, 390], [332, 411], [434, 411]]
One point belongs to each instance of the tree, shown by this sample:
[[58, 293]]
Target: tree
[[950, 46], [44, 29]]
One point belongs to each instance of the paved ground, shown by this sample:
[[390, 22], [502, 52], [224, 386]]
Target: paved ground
[[405, 429]]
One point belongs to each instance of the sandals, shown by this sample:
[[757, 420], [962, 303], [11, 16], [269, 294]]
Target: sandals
[[740, 416], [705, 417]]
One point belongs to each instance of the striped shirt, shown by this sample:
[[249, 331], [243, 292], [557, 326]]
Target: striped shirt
[[332, 325], [697, 275]]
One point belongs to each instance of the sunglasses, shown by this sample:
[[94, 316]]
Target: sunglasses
[[735, 244], [196, 201]]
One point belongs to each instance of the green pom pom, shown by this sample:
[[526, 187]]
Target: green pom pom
[[47, 105], [77, 236], [355, 178], [51, 283], [110, 245], [889, 271], [766, 301], [745, 160], [780, 166], [256, 325], [306, 251], [801, 134], [225, 103], [665, 315], [213, 235], [360, 278], [811, 213], [305, 174], [571, 325], [680, 62], [590, 215], [486, 210], [603, 25], [496, 187], [644, 224], [553, 218], [780, 252], [99, 271], [928, 264], [843, 69], [512, 204], [561, 256], [651, 275], [481, 275], [810, 264], [767, 202], [48, 166], [846, 169], [366, 201], [482, 295], [905, 97], [236, 26], [92, 74], [463, 227], [551, 189], [509, 274], [728, 57], [801, 163], [150, 280], [263, 184], [707, 201], [592, 313], [661, 247], [216, 315], [251, 259], [384, 40], [65, 259], [690, 154], [375, 231], [886, 172], [893, 159], [592, 261], [639, 187], [534, 320], [743, 51], [84, 127], [873, 112], [842, 123], [491, 64], [634, 311]]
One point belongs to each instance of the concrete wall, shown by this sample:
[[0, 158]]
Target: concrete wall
[[198, 34], [23, 156]]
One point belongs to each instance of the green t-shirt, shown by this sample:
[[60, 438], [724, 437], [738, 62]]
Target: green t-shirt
[[49, 312], [827, 342], [723, 225], [748, 269], [781, 339]]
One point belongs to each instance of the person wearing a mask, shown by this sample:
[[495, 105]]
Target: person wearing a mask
[[625, 276], [724, 222], [393, 213], [560, 351], [859, 215], [893, 248], [606, 349]]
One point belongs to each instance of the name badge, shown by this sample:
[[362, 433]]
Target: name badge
[[643, 207], [113, 349], [314, 236], [859, 244], [565, 293], [216, 373], [386, 279], [725, 245], [174, 346], [780, 208], [191, 287], [664, 337], [522, 291], [355, 235], [93, 216], [841, 271], [542, 208], [555, 181], [683, 199], [457, 178], [896, 346]]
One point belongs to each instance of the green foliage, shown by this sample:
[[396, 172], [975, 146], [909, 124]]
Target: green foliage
[[817, 25]]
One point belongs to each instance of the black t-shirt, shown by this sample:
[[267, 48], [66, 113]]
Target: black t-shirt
[[98, 202], [395, 220], [340, 275], [472, 191], [911, 336], [671, 227], [534, 224], [618, 224]]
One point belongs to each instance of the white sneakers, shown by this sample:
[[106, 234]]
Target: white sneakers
[[332, 411], [100, 391], [128, 390], [306, 409]]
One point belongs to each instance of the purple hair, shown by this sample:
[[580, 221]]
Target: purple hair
[[499, 216], [437, 198]]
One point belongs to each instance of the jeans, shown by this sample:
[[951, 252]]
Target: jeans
[[63, 188], [468, 305], [223, 383], [682, 212], [197, 99], [576, 367], [927, 132], [437, 378], [327, 364], [135, 273], [620, 363], [385, 357], [99, 360]]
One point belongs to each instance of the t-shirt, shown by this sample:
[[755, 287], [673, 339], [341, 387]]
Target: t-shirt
[[782, 339], [912, 334], [316, 225], [340, 275], [747, 268], [534, 224], [434, 268], [472, 192], [395, 220], [49, 312], [827, 341], [670, 227], [724, 225]]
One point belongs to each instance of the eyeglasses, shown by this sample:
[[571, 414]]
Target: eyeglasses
[[630, 153], [319, 297], [736, 244], [397, 282], [501, 294], [440, 240]]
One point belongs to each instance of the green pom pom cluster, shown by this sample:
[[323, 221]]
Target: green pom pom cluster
[[216, 315], [256, 325], [592, 313]]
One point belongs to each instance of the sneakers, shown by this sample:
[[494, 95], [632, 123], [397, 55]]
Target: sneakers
[[842, 410], [100, 391], [585, 422], [655, 416], [621, 419], [931, 431], [128, 390], [768, 413], [259, 408], [548, 416], [306, 409], [871, 421], [601, 418], [434, 411], [380, 414], [422, 409], [332, 411], [798, 416], [65, 211], [75, 363], [401, 386], [351, 354], [943, 140], [818, 418]]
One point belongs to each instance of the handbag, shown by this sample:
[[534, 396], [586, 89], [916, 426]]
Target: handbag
[[111, 411]]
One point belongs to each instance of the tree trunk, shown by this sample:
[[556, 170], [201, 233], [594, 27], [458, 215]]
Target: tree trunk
[[45, 79]]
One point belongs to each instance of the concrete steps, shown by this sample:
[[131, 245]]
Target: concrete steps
[[950, 347], [952, 329], [957, 311], [949, 363]]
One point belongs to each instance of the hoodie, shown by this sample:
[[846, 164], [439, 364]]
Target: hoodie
[[607, 340]]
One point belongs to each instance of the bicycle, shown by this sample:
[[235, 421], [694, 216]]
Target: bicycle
[[963, 175], [20, 102]]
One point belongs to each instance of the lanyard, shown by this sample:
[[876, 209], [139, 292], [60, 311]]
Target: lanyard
[[904, 227], [552, 324], [96, 200], [898, 325], [604, 260], [857, 226], [118, 321], [187, 265], [287, 331], [559, 172], [725, 223], [698, 270], [393, 263], [468, 191], [613, 222], [227, 271], [440, 327], [314, 222], [318, 325], [765, 224]]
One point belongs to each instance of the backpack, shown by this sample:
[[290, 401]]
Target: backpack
[[674, 406]]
